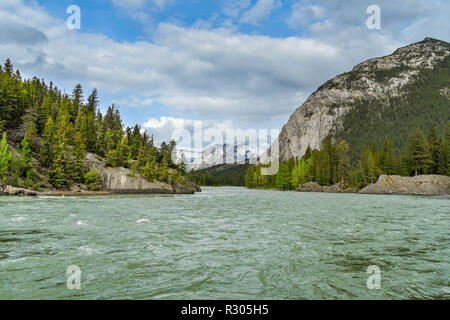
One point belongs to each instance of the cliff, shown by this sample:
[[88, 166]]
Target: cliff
[[423, 185]]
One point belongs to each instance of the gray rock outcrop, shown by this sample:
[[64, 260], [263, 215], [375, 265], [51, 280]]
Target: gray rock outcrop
[[122, 180], [422, 185]]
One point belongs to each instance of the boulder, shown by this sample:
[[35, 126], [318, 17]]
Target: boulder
[[424, 185], [310, 187]]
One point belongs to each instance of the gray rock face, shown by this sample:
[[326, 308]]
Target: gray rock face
[[122, 180], [423, 185], [310, 187], [323, 112]]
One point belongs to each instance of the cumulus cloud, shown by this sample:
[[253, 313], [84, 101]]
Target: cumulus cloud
[[167, 128]]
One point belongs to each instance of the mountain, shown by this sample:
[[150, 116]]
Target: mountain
[[219, 154], [380, 98]]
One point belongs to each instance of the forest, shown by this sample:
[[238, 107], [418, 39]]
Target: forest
[[45, 134], [220, 175], [422, 154]]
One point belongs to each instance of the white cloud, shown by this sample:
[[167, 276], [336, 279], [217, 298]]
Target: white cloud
[[165, 129], [233, 8], [260, 11], [304, 15]]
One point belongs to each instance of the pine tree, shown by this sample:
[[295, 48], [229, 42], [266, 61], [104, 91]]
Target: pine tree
[[417, 153], [387, 158], [164, 173], [8, 68], [92, 102], [31, 134], [283, 177], [25, 166], [5, 158], [343, 168], [60, 174], [444, 152], [444, 157], [79, 154], [48, 141], [434, 145], [369, 171], [77, 101]]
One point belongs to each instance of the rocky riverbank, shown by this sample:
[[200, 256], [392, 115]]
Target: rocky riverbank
[[421, 185], [113, 181]]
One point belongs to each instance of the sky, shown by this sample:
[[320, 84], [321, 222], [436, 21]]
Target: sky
[[232, 64]]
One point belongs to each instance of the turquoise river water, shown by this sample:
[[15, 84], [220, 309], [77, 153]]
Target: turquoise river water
[[225, 243]]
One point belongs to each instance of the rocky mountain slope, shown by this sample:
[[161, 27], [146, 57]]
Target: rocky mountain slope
[[379, 98]]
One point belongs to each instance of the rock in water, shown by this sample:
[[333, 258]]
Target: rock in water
[[424, 185]]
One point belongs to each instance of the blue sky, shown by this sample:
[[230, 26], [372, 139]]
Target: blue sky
[[235, 64]]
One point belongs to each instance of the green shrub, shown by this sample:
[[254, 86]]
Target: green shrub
[[93, 180]]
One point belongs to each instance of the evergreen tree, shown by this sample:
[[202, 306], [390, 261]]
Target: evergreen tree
[[31, 134], [92, 102], [48, 141], [343, 169], [79, 154], [444, 157], [387, 158], [60, 174], [369, 171], [434, 145], [5, 158], [25, 166], [417, 153], [77, 101], [283, 177]]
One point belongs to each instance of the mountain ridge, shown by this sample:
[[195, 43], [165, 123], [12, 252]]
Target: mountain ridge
[[372, 86]]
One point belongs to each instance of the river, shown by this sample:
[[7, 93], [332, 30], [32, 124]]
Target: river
[[225, 243]]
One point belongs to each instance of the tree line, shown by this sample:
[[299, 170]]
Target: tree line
[[422, 154], [53, 131]]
